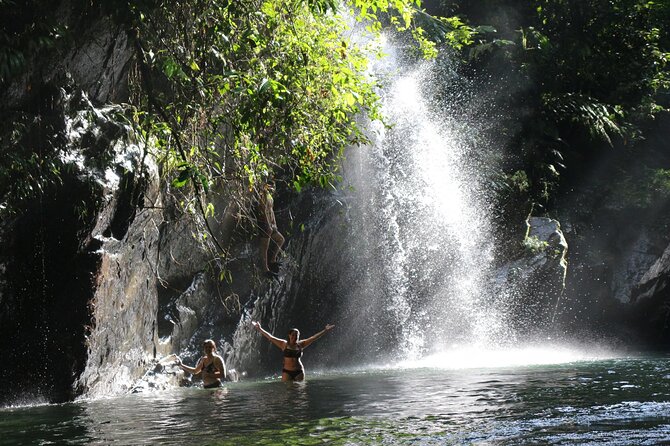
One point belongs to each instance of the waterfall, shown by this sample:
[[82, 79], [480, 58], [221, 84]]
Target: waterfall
[[419, 219], [401, 256]]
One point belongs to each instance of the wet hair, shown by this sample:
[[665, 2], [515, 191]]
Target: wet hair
[[294, 330], [209, 342]]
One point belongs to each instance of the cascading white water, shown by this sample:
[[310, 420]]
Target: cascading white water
[[404, 267], [422, 287], [419, 201]]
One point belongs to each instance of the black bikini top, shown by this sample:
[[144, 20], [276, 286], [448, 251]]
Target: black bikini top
[[209, 368], [292, 352]]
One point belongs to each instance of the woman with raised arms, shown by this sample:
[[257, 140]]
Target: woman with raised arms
[[292, 369]]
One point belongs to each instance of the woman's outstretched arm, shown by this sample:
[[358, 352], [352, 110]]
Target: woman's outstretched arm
[[280, 343], [304, 343], [192, 370]]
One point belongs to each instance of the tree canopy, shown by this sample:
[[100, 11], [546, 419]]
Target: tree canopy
[[579, 78], [226, 95], [229, 95]]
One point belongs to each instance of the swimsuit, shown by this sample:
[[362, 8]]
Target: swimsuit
[[293, 374], [295, 353], [211, 368], [292, 352]]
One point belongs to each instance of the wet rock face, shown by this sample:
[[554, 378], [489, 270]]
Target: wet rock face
[[611, 249], [97, 61], [655, 281], [632, 268], [92, 269], [535, 281], [75, 291], [50, 259], [45, 291], [101, 61], [650, 299], [122, 338]]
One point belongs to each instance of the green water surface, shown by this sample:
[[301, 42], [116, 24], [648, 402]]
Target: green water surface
[[613, 402]]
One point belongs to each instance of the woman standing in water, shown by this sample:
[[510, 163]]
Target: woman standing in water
[[292, 369], [211, 366]]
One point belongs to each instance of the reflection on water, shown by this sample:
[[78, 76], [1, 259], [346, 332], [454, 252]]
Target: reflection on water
[[467, 357], [616, 401]]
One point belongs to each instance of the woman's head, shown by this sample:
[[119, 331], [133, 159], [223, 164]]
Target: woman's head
[[209, 346], [295, 333]]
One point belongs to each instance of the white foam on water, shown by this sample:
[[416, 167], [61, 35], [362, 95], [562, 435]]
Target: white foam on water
[[467, 357]]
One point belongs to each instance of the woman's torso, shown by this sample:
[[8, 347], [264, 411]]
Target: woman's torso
[[208, 369], [292, 355]]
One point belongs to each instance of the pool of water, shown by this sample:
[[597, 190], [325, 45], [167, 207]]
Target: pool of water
[[615, 402]]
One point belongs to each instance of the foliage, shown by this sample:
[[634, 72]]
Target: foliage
[[263, 86], [584, 76], [518, 181], [230, 94], [24, 173], [652, 188], [601, 121], [32, 135], [534, 245], [24, 31], [235, 94], [606, 49], [34, 144]]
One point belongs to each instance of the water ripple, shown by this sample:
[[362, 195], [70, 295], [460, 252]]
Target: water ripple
[[552, 404]]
